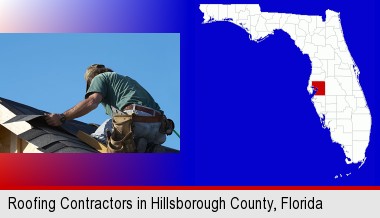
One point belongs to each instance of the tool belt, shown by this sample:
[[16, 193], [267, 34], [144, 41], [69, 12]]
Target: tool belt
[[121, 139], [142, 108], [167, 126]]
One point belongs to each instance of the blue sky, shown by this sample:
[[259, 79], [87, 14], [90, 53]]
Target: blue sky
[[46, 71]]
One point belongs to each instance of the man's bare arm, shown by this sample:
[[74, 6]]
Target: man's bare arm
[[82, 108]]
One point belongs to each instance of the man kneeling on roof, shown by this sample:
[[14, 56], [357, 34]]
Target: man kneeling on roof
[[118, 93]]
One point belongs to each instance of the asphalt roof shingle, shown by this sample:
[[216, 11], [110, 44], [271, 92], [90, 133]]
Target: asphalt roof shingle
[[61, 139], [46, 138]]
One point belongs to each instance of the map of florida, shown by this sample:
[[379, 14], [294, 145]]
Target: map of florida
[[338, 97]]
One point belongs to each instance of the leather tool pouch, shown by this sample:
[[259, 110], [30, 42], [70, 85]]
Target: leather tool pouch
[[167, 126], [121, 140]]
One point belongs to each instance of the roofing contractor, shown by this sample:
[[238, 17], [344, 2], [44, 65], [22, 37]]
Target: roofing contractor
[[138, 120]]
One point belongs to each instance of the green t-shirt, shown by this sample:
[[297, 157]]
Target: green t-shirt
[[118, 91]]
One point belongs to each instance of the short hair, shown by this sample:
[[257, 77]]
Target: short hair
[[94, 70]]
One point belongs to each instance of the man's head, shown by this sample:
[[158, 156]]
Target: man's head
[[93, 71]]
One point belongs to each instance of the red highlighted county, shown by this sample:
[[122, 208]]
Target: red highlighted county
[[319, 87]]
